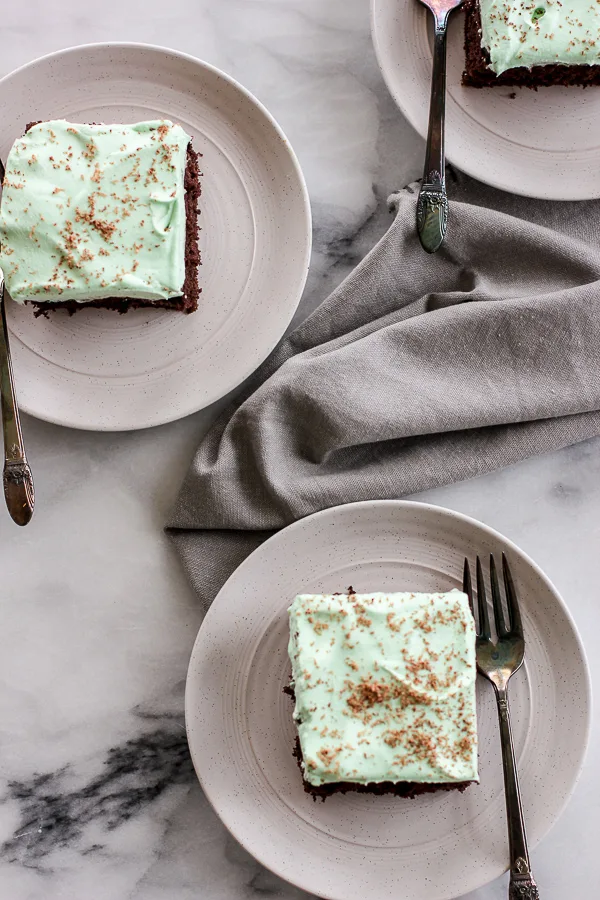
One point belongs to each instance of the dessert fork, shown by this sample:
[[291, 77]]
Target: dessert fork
[[432, 204], [17, 478], [498, 661]]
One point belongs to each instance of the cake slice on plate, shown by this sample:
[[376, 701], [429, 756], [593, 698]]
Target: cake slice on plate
[[522, 42], [384, 688], [101, 215]]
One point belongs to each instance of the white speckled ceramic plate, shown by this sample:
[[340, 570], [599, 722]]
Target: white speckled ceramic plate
[[240, 723], [99, 370], [538, 143]]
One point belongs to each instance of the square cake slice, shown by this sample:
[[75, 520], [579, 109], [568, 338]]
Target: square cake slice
[[532, 44], [384, 688], [101, 215]]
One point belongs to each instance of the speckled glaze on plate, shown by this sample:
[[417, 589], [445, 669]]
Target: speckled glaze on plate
[[101, 371], [538, 143], [355, 846]]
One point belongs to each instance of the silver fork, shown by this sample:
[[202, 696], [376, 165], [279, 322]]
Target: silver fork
[[432, 205], [17, 477], [498, 661]]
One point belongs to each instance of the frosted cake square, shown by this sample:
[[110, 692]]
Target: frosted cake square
[[384, 688], [101, 215]]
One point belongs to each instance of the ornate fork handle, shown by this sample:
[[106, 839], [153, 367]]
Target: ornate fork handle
[[432, 204], [17, 478], [522, 885], [523, 889]]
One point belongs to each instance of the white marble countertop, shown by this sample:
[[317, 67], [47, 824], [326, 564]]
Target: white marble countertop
[[98, 797]]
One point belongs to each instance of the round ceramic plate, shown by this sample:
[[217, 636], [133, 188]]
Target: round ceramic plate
[[240, 722], [541, 143], [100, 370]]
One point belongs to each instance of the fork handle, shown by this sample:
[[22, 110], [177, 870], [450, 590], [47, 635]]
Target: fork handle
[[432, 203], [522, 885], [17, 478]]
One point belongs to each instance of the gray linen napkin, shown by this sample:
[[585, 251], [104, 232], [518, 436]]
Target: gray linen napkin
[[417, 371]]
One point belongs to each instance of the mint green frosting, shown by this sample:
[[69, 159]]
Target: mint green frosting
[[536, 34], [385, 687], [95, 211]]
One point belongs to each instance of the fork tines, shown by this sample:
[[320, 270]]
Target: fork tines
[[504, 628]]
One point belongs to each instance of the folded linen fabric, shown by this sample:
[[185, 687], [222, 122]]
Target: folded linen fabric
[[416, 371]]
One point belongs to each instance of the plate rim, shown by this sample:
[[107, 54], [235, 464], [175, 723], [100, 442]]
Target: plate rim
[[406, 505], [464, 166], [296, 294]]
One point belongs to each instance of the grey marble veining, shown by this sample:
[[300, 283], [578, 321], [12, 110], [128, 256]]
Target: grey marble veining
[[98, 800]]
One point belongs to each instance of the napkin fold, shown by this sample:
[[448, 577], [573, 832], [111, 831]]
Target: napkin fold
[[416, 371]]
